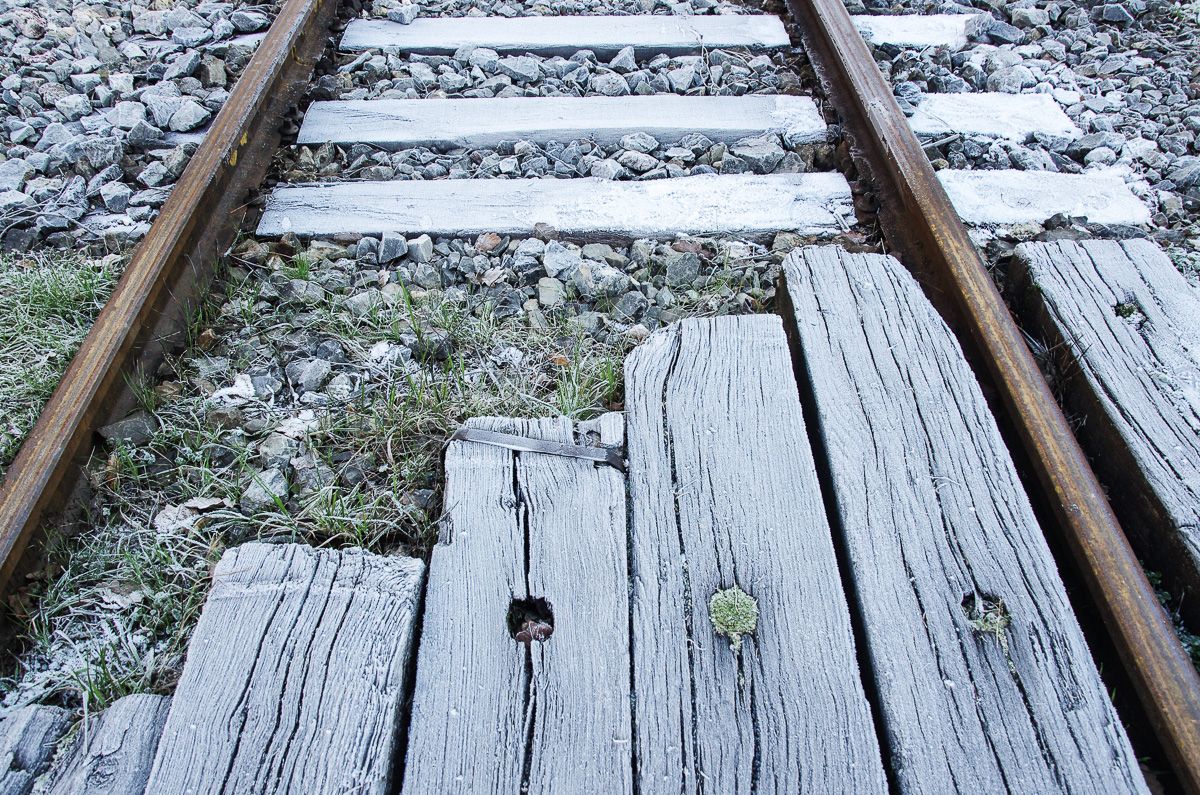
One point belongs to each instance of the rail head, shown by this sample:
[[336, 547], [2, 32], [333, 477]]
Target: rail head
[[921, 222]]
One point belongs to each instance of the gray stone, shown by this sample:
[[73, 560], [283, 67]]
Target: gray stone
[[13, 200], [191, 36], [404, 14], [143, 133], [136, 429], [362, 304], [102, 152], [1011, 80], [609, 84], [392, 246], [277, 450], [311, 473], [608, 169], [682, 268], [559, 259], [189, 116], [420, 249], [181, 17], [268, 487], [597, 280], [637, 161], [161, 106], [154, 175], [1115, 13], [761, 153], [427, 276], [432, 346], [183, 65], [13, 174], [1102, 155], [551, 292], [303, 292], [309, 375], [681, 79], [1186, 172], [249, 21], [587, 322], [624, 61], [1030, 17], [73, 106], [484, 58], [631, 307], [1003, 33], [522, 68], [115, 196], [639, 142], [125, 115]]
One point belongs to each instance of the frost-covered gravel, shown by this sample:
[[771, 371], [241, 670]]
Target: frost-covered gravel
[[1126, 73], [406, 11], [324, 377], [638, 156], [100, 104], [482, 72], [313, 405]]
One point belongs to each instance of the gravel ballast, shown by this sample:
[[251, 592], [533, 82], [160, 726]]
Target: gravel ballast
[[101, 107]]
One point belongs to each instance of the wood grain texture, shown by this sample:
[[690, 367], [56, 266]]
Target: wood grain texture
[[27, 743], [566, 35], [112, 756], [490, 714], [933, 518], [735, 204], [1135, 383], [485, 122], [294, 676], [919, 221], [723, 492]]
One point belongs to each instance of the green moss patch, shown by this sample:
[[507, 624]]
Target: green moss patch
[[734, 614]]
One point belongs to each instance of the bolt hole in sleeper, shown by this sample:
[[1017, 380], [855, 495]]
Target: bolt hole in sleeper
[[530, 619]]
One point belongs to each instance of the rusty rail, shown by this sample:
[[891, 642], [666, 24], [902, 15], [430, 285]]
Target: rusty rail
[[170, 268], [924, 226]]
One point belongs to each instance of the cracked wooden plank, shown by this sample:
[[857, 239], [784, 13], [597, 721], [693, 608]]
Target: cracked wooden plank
[[113, 755], [489, 713], [723, 492], [294, 676], [28, 738], [566, 35], [485, 122], [983, 678], [1122, 322]]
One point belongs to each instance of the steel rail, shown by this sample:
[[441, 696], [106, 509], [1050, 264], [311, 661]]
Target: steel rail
[[170, 267], [924, 226]]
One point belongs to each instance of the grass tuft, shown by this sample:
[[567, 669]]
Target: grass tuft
[[48, 303]]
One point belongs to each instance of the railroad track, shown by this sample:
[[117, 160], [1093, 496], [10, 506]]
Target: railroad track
[[804, 485]]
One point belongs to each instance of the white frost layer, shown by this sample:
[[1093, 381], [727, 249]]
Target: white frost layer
[[396, 123], [735, 204], [995, 115], [566, 35], [1017, 197], [917, 30]]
